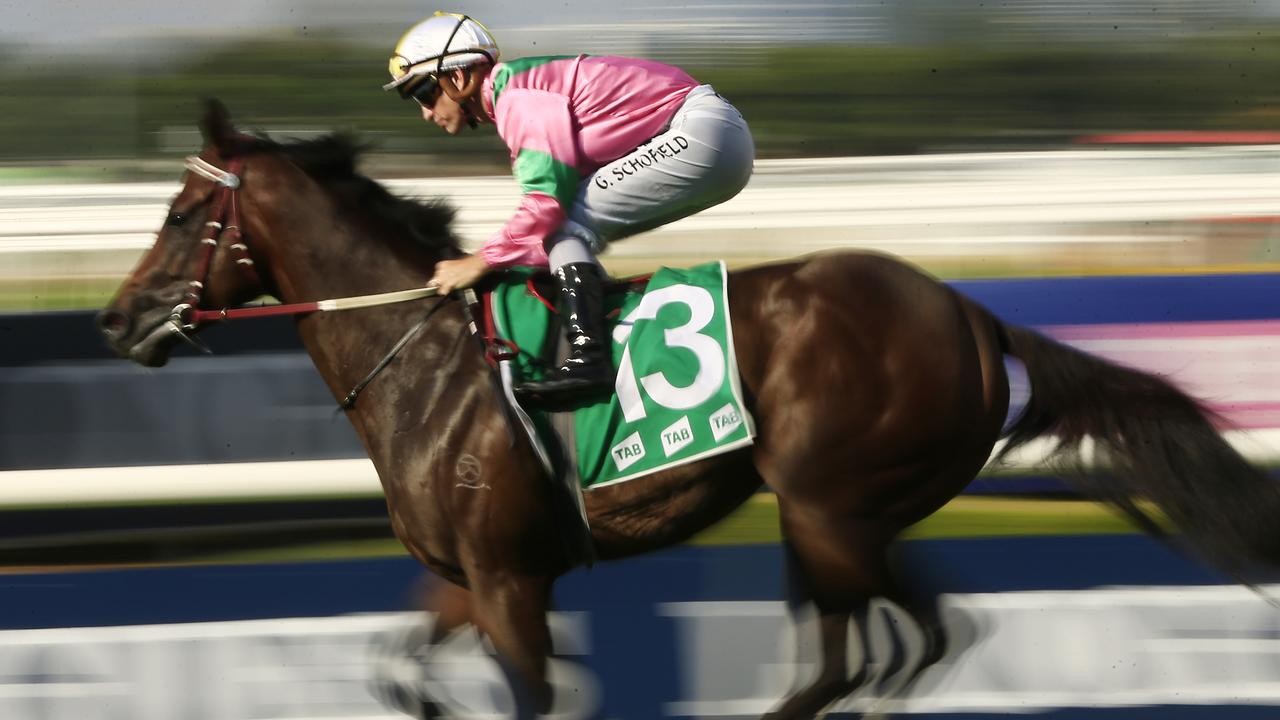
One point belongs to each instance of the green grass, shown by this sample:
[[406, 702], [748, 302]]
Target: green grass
[[39, 294], [338, 550], [67, 172], [1004, 517], [756, 523]]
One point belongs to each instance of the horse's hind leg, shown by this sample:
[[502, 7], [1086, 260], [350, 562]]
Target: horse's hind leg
[[841, 567], [835, 678]]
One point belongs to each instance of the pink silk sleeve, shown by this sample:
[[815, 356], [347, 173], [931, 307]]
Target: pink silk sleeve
[[539, 131], [519, 242]]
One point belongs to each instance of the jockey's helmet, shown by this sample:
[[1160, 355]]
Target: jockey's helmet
[[442, 42]]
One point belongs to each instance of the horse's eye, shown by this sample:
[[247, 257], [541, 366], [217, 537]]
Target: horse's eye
[[176, 219]]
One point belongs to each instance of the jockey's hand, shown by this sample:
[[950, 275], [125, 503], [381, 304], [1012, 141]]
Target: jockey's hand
[[461, 273]]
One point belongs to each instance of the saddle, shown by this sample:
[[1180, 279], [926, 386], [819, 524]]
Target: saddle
[[678, 394]]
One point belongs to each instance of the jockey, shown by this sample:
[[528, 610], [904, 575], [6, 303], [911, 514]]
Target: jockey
[[603, 148]]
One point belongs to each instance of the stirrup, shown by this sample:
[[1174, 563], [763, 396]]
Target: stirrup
[[563, 393]]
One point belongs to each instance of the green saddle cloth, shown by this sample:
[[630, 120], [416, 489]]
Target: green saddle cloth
[[678, 397]]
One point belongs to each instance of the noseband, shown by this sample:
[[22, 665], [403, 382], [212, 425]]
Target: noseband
[[224, 221]]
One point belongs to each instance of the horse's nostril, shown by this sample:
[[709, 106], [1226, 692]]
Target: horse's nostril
[[113, 323]]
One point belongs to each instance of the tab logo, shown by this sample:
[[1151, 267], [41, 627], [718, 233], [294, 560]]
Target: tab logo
[[628, 452], [678, 435], [724, 421]]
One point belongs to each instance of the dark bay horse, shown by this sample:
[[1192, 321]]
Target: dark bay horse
[[878, 394]]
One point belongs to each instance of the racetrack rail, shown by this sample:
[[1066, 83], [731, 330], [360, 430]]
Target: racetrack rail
[[348, 478]]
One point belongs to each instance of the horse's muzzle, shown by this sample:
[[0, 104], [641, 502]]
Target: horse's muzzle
[[144, 339], [114, 325]]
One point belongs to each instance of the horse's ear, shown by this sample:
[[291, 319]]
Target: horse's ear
[[216, 127]]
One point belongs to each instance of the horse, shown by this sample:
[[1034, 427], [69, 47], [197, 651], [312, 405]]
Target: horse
[[878, 393]]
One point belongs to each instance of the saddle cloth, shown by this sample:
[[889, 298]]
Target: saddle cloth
[[678, 396]]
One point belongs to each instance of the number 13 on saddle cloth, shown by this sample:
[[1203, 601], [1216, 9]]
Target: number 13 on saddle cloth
[[678, 395]]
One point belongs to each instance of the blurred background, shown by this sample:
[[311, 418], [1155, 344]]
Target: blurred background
[[1106, 170], [922, 91]]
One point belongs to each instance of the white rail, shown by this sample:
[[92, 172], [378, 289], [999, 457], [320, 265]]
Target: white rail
[[960, 204], [314, 479]]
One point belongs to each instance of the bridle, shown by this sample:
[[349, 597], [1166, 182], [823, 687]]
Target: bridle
[[224, 222]]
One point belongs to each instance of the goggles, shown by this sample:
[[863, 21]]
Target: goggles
[[424, 92]]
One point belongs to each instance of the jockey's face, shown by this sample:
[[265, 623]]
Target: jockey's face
[[444, 111]]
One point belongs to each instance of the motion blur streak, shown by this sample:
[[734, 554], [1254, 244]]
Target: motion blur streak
[[1050, 212]]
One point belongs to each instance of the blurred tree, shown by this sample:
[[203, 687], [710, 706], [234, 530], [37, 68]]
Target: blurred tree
[[813, 100]]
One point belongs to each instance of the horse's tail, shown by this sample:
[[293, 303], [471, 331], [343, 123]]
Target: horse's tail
[[1156, 446]]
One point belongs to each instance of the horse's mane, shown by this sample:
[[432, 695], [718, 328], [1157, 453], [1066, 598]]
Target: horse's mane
[[331, 160]]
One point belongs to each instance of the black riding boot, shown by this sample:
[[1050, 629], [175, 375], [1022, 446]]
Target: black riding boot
[[588, 371]]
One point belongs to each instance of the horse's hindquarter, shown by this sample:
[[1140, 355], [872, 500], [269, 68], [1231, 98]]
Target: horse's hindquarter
[[861, 369]]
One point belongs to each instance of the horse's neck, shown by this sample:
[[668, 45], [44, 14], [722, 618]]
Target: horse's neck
[[329, 258], [344, 265]]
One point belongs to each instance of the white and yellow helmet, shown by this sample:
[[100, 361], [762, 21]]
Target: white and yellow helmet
[[442, 42]]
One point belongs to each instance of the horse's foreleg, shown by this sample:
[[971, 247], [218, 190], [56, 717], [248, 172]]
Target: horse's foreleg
[[402, 661], [512, 611]]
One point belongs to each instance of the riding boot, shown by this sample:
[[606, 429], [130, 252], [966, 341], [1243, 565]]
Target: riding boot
[[588, 371]]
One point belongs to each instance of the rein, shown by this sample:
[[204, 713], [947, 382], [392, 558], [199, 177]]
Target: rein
[[346, 303], [187, 315]]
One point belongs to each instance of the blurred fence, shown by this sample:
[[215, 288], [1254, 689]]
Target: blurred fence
[[962, 214]]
